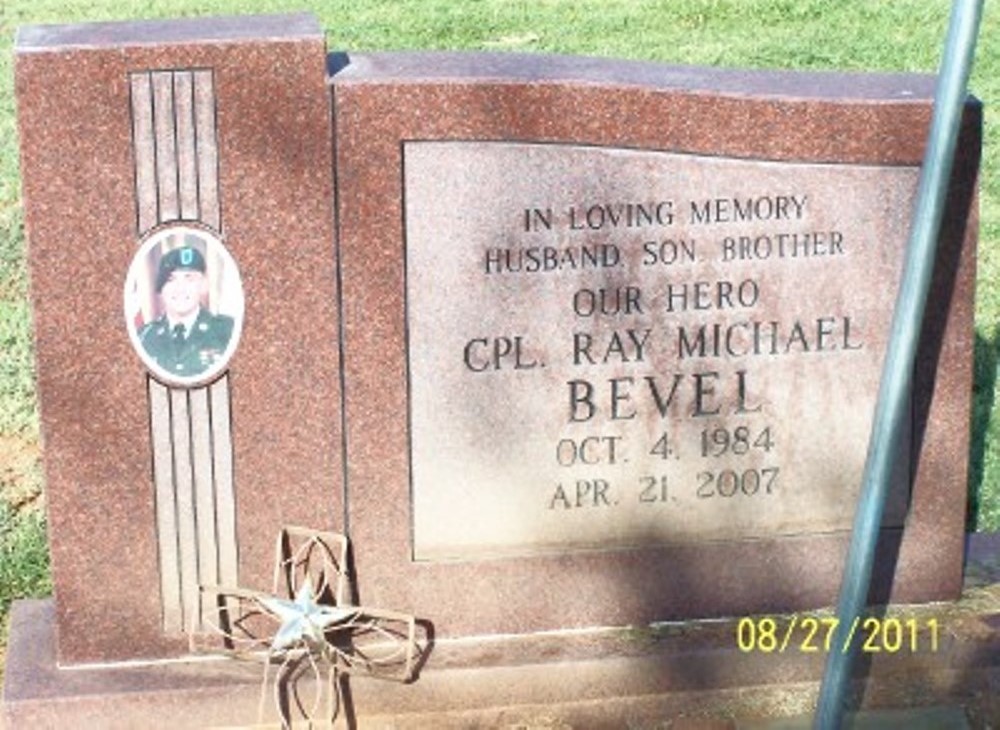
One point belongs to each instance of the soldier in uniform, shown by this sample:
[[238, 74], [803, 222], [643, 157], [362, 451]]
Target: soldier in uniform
[[187, 339]]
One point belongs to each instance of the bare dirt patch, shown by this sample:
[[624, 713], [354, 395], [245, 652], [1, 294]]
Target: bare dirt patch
[[20, 472]]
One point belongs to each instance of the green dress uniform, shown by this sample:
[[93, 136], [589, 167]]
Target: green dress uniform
[[186, 354]]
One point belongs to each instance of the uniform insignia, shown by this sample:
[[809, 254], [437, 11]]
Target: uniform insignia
[[203, 346]]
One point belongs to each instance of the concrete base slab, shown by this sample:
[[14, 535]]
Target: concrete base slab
[[932, 718], [690, 675]]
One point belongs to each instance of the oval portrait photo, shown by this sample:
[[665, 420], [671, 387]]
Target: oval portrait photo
[[184, 305]]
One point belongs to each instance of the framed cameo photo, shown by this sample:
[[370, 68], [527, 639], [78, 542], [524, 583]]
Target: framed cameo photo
[[184, 305]]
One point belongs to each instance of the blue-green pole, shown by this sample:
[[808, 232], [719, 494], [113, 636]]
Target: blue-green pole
[[908, 317]]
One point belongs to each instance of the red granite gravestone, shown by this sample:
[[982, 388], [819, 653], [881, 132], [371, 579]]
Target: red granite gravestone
[[181, 131], [630, 321], [562, 344]]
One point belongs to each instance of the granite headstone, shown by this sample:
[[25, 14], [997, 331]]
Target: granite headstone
[[562, 344], [139, 138], [629, 321]]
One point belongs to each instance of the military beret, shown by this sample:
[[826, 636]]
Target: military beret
[[187, 257]]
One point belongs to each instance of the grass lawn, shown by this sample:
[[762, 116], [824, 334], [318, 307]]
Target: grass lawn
[[898, 35]]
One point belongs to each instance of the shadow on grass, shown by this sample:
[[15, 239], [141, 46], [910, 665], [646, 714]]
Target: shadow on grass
[[987, 357]]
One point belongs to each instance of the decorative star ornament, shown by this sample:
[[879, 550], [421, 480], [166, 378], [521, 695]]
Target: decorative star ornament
[[303, 621]]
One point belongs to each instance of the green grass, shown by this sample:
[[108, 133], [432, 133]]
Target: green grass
[[17, 392], [24, 558], [899, 35], [24, 562]]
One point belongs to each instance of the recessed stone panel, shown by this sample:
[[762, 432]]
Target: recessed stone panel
[[612, 347]]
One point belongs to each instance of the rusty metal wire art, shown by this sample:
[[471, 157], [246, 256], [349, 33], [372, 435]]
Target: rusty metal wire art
[[309, 628]]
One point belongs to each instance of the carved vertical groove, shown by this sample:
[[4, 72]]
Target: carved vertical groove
[[176, 178]]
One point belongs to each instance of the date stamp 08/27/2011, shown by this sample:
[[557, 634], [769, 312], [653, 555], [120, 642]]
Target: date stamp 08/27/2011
[[814, 634]]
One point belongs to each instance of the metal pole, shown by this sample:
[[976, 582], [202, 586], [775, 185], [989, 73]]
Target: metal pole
[[891, 407]]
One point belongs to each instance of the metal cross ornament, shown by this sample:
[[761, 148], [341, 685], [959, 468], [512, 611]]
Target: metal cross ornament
[[309, 627]]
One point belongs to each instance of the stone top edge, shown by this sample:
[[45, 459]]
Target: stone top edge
[[217, 29], [406, 67]]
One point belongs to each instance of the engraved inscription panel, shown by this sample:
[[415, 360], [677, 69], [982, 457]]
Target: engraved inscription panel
[[611, 348]]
